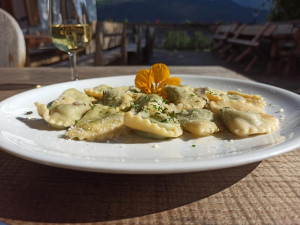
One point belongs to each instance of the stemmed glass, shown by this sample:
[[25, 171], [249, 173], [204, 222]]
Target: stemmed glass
[[69, 28]]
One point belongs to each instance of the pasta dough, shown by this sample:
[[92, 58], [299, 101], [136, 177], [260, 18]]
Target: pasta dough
[[119, 97], [63, 115], [72, 95], [247, 123], [236, 100], [149, 114], [183, 97], [97, 91], [99, 123], [200, 122]]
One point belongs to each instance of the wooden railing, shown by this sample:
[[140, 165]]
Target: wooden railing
[[115, 43]]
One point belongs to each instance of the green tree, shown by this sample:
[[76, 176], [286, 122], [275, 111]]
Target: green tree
[[284, 10], [176, 40], [201, 42]]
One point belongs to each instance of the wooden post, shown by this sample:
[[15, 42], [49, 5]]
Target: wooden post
[[124, 56], [98, 58], [139, 53]]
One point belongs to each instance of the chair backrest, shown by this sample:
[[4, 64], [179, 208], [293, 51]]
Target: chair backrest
[[12, 43], [283, 29], [250, 32], [226, 29], [268, 32]]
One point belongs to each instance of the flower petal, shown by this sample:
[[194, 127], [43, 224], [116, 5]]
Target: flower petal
[[175, 81], [143, 80], [159, 72]]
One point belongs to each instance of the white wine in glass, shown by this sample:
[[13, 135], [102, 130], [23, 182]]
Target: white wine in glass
[[69, 28]]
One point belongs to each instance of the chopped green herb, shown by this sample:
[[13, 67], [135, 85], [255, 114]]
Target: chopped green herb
[[164, 110], [193, 145], [92, 106], [136, 106]]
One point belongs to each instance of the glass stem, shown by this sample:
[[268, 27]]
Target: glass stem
[[74, 74]]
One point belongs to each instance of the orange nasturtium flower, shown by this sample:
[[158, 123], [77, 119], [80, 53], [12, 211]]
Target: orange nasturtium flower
[[152, 81]]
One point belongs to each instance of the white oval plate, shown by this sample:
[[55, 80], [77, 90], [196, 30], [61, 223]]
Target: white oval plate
[[29, 137]]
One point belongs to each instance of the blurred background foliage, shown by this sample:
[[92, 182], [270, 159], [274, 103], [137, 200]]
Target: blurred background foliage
[[284, 10], [182, 40]]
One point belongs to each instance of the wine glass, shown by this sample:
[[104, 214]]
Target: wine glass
[[69, 28]]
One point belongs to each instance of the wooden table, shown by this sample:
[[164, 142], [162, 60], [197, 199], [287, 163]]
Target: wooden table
[[266, 192]]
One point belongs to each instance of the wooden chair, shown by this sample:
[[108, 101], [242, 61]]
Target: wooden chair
[[228, 46], [12, 43], [246, 42], [222, 34], [282, 40], [290, 56]]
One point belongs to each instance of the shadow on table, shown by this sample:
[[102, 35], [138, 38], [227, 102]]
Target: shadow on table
[[34, 192]]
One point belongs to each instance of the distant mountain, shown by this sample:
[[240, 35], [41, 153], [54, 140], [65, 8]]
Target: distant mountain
[[177, 11], [254, 4]]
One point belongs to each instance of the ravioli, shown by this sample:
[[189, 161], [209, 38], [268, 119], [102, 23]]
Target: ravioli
[[150, 115], [97, 91], [236, 100], [244, 124], [62, 116], [104, 112], [99, 123], [214, 94], [200, 92], [119, 97], [183, 97], [200, 122], [72, 95]]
